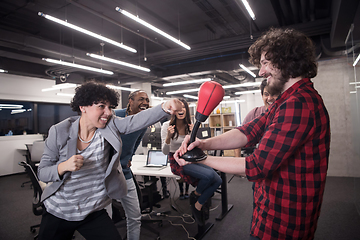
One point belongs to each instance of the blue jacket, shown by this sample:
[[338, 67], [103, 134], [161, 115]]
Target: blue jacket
[[130, 142]]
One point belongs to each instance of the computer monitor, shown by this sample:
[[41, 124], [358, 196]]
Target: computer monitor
[[152, 138]]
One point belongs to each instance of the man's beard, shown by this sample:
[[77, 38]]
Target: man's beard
[[277, 86]]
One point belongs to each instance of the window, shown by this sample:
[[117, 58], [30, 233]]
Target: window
[[17, 118]]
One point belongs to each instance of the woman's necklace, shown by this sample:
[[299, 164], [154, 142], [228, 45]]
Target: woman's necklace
[[86, 141]]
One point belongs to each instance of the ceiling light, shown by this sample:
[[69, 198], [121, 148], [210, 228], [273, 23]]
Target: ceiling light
[[157, 98], [248, 92], [65, 94], [183, 91], [247, 70], [78, 66], [137, 19], [10, 106], [353, 92], [233, 101], [186, 82], [356, 60], [248, 8], [69, 25], [357, 87], [60, 86], [352, 83], [190, 96], [175, 77], [247, 84], [3, 71], [121, 88], [18, 111], [118, 62]]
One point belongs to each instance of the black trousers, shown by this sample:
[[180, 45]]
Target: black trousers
[[98, 225]]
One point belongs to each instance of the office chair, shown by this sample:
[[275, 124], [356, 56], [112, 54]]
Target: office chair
[[33, 155], [27, 156], [37, 206]]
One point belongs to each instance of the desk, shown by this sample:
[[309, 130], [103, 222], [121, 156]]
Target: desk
[[12, 149], [137, 167], [139, 161]]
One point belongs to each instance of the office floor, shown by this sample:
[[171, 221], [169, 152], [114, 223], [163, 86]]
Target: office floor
[[339, 218]]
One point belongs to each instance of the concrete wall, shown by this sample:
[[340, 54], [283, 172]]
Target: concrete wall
[[332, 82]]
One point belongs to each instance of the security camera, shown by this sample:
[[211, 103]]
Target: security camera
[[64, 77]]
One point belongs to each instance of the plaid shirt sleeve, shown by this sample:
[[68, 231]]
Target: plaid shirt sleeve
[[289, 128]]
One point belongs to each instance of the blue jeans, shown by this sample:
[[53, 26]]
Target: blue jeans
[[209, 180], [132, 210]]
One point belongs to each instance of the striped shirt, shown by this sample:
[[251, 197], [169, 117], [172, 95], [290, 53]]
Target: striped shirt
[[83, 192]]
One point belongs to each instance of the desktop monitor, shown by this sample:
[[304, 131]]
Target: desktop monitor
[[152, 138]]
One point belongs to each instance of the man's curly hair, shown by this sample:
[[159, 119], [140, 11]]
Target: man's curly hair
[[91, 93], [288, 50]]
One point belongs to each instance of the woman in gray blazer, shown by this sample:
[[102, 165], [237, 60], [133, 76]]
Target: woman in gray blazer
[[82, 160]]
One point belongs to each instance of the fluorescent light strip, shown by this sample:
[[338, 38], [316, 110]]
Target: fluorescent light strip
[[65, 94], [78, 66], [357, 87], [248, 92], [353, 83], [248, 8], [190, 96], [186, 82], [3, 71], [4, 105], [118, 62], [122, 88], [353, 92], [18, 111], [183, 91], [226, 97], [157, 98], [176, 76], [233, 101], [137, 19], [356, 60], [69, 25], [247, 84], [59, 86], [247, 70]]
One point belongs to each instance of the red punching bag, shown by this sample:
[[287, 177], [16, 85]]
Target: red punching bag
[[210, 95]]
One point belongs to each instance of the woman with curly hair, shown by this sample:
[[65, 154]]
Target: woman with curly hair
[[203, 177], [82, 160]]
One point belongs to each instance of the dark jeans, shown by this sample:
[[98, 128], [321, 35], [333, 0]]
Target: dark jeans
[[98, 225], [209, 180]]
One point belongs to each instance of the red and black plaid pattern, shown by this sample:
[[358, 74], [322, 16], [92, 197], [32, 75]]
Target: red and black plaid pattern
[[290, 164], [178, 170]]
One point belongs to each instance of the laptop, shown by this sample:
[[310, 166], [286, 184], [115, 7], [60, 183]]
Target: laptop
[[156, 160]]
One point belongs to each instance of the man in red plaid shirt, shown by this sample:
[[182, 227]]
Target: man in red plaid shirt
[[290, 164]]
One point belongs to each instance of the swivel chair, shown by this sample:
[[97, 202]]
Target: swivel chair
[[33, 155], [37, 206]]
